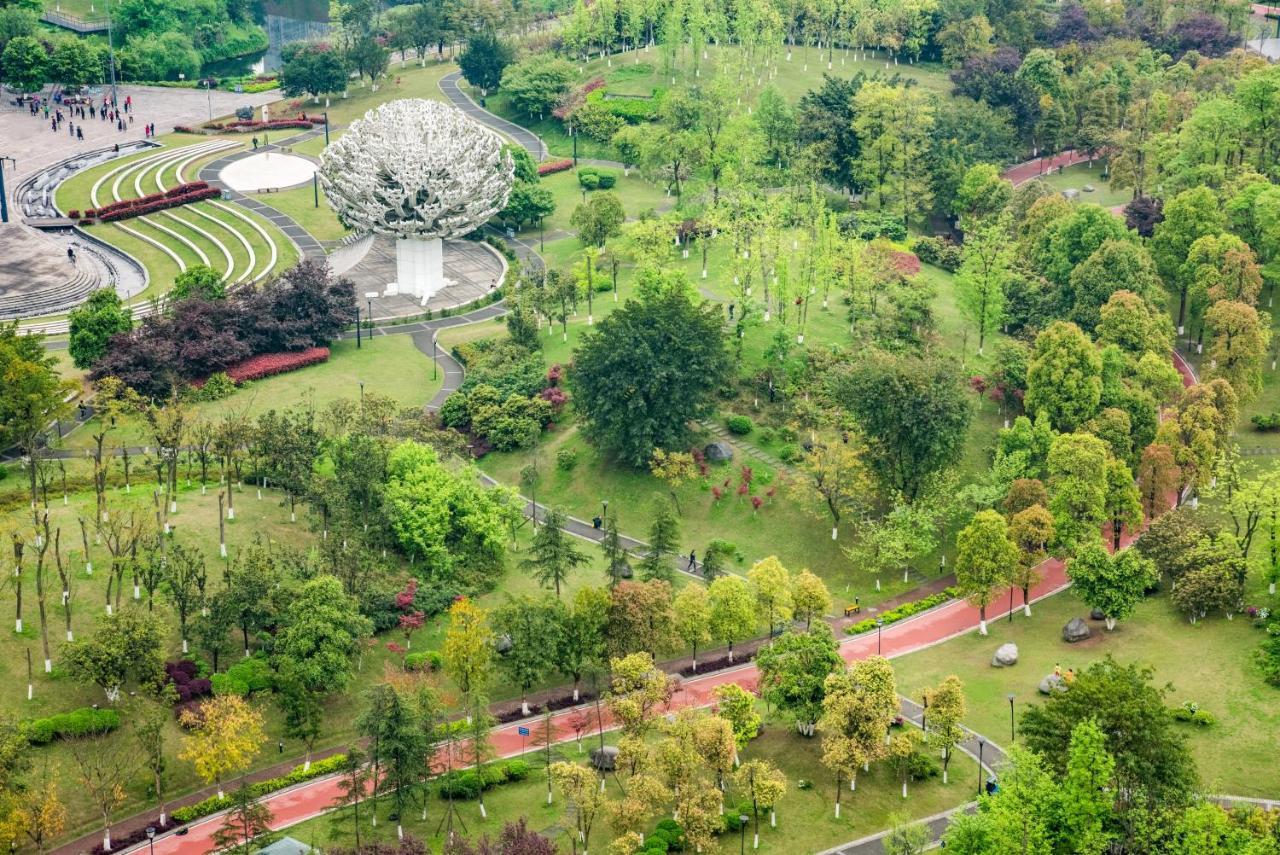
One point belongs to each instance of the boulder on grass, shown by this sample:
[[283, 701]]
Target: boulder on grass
[[1005, 656], [718, 452], [1052, 683], [1096, 614], [1076, 630], [605, 759]]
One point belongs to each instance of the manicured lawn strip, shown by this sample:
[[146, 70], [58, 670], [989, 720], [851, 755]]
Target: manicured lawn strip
[[414, 82], [299, 204], [74, 192], [806, 821], [1210, 663], [286, 252]]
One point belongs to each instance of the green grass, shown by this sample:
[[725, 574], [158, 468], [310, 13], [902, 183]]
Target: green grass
[[74, 192], [1210, 663], [806, 821], [1076, 177], [300, 204], [414, 82], [637, 195], [388, 365]]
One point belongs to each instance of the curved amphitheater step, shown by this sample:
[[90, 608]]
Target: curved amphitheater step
[[36, 278]]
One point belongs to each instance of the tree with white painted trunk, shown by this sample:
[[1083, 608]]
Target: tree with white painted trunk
[[529, 628], [733, 611], [1031, 530], [580, 647], [985, 561], [764, 784], [834, 477], [183, 578], [946, 710], [1113, 584], [224, 736], [103, 766]]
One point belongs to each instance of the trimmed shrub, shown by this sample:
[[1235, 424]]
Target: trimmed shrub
[[739, 425], [589, 180], [905, 610], [81, 722], [244, 678], [270, 364], [1266, 422], [550, 167], [566, 459], [938, 251], [213, 804], [517, 770], [463, 786], [428, 660]]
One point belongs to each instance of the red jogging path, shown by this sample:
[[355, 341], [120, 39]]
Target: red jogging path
[[935, 626]]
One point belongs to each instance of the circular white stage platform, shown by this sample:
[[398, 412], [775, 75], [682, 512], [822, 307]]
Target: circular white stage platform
[[267, 171]]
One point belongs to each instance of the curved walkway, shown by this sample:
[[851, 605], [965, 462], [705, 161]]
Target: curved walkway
[[522, 136]]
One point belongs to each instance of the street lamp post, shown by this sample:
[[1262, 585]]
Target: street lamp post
[[1012, 731], [357, 326], [151, 838], [326, 128], [604, 509], [982, 743], [434, 363], [4, 198], [742, 833], [369, 314], [1010, 604], [315, 188], [879, 626]]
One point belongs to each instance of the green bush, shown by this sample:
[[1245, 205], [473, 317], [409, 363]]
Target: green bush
[[905, 610], [493, 775], [217, 387], [213, 804], [1204, 718], [791, 453], [921, 766], [1266, 422], [463, 786], [517, 770], [246, 677], [81, 722], [588, 180], [566, 459], [738, 425], [429, 660]]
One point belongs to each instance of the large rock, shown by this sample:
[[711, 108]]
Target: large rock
[[718, 452], [605, 759], [1075, 630], [1052, 683], [1096, 614], [1006, 655]]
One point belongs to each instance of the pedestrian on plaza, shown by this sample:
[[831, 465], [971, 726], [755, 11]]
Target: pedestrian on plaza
[[71, 255], [255, 143], [131, 118], [731, 311], [596, 522], [93, 112], [80, 133], [53, 123], [71, 129]]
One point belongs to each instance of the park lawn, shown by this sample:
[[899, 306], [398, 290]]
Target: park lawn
[[299, 203], [806, 821], [75, 191], [637, 196], [1210, 663], [389, 365], [1076, 177], [410, 82], [315, 145]]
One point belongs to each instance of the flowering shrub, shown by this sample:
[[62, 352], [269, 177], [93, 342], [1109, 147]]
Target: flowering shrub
[[244, 126], [906, 263], [552, 166], [73, 214], [270, 364], [555, 396], [183, 674], [193, 191], [555, 374]]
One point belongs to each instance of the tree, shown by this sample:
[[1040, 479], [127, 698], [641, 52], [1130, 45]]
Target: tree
[[834, 475], [1157, 479], [183, 580], [598, 219], [907, 838], [223, 736], [552, 554], [312, 70], [528, 203], [1077, 488], [1114, 585], [1116, 265], [914, 412], [368, 58], [103, 767], [857, 709], [468, 647], [984, 269], [1131, 322], [617, 561], [37, 812], [733, 610], [581, 789], [1238, 344], [947, 710], [664, 544], [981, 195], [771, 586], [1084, 801], [31, 396], [93, 323], [484, 60], [1014, 819], [1064, 379], [530, 627], [985, 560], [125, 649], [25, 64], [673, 468], [303, 711], [1123, 505], [692, 610], [737, 706], [1198, 429], [581, 639], [319, 636], [199, 281], [793, 673], [246, 827], [1153, 764], [763, 784], [809, 597], [1031, 530], [640, 618], [353, 779], [1213, 581], [645, 371], [1188, 216], [536, 84]]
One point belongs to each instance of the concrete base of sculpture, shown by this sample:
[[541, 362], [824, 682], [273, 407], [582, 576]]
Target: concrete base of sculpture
[[419, 268]]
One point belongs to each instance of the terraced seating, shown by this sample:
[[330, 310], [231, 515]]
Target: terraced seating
[[85, 279]]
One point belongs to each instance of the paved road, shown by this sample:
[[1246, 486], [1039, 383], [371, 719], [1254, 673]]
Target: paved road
[[531, 141]]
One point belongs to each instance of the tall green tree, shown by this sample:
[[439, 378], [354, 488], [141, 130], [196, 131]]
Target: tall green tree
[[1084, 799], [320, 633], [664, 544], [552, 554], [1064, 378], [1188, 216], [1114, 585], [484, 60], [733, 610], [1077, 489], [31, 397], [793, 673], [646, 371], [93, 323], [528, 629], [985, 560], [246, 827], [984, 267]]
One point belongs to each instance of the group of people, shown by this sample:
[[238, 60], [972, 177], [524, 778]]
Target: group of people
[[57, 111]]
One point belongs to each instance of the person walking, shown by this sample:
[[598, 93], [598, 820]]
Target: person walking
[[71, 255], [693, 561], [80, 133]]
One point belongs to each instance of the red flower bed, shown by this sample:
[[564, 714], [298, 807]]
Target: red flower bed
[[270, 364], [906, 263], [192, 191], [552, 166], [245, 126]]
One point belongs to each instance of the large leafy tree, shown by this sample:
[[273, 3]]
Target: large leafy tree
[[93, 323], [1064, 379], [1077, 488], [1239, 339], [794, 670], [914, 412], [1116, 265], [640, 618], [646, 371], [534, 85], [985, 561], [1112, 584], [733, 610], [225, 735], [484, 60], [1153, 765], [319, 636], [1188, 216], [31, 396], [530, 629], [553, 554], [125, 649], [25, 64], [984, 268]]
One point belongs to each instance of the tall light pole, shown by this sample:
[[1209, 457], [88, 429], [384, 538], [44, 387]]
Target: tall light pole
[[151, 838], [1010, 604], [1012, 732], [982, 743], [111, 51], [4, 194], [326, 128], [434, 364], [357, 326]]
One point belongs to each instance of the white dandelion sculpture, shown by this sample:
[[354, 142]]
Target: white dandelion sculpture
[[418, 171]]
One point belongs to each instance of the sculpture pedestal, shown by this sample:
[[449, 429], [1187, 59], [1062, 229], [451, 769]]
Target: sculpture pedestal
[[419, 268]]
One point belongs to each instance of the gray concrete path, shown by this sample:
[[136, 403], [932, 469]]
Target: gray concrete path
[[522, 136]]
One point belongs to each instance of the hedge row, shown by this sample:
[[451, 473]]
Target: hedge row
[[81, 722], [245, 126], [468, 785], [905, 610], [173, 192], [213, 804], [550, 167], [270, 364]]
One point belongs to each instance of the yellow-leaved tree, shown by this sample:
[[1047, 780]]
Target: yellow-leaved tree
[[226, 734]]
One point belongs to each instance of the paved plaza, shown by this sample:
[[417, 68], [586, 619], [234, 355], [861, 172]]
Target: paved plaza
[[29, 140], [267, 171]]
